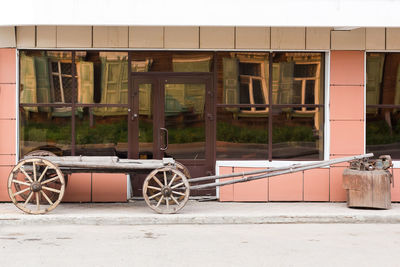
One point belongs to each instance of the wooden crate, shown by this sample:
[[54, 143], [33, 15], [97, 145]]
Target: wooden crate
[[367, 189]]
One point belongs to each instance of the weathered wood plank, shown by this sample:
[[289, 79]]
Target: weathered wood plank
[[368, 189]]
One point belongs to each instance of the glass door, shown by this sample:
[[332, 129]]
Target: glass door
[[172, 116]]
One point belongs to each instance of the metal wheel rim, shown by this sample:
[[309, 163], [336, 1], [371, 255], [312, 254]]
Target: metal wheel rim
[[167, 195], [33, 192]]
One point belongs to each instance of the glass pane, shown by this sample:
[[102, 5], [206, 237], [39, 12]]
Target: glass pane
[[145, 121], [45, 77], [102, 78], [101, 136], [241, 135], [43, 130], [383, 132], [297, 78], [184, 119], [297, 134], [242, 78], [383, 79], [172, 61]]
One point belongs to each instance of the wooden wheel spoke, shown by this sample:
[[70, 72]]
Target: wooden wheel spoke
[[167, 202], [158, 181], [51, 189], [20, 182], [34, 171], [46, 197], [159, 201], [174, 199], [155, 195], [177, 185], [178, 193], [165, 178], [22, 191], [154, 188], [43, 173], [172, 180], [37, 201], [26, 175], [49, 180], [28, 199]]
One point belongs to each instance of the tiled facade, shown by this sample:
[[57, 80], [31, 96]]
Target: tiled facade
[[346, 97]]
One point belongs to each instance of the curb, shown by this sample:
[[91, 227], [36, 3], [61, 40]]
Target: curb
[[201, 213], [232, 219]]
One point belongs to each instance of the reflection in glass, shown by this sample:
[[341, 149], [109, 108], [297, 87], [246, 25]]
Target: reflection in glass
[[184, 120], [383, 132], [165, 61], [245, 79], [46, 77], [241, 136], [297, 135], [145, 121], [38, 131], [383, 88], [383, 79], [101, 136], [297, 78]]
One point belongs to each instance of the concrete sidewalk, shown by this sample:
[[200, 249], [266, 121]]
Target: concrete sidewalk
[[213, 212]]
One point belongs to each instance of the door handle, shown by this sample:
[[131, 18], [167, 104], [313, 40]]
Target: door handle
[[165, 139]]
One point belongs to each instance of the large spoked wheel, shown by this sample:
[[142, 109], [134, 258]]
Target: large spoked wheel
[[166, 190], [29, 190], [52, 195]]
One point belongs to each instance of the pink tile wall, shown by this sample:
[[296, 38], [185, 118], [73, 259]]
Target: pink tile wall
[[347, 137], [7, 101], [78, 188], [7, 136], [256, 190], [7, 117], [337, 193], [347, 103], [226, 192], [108, 187], [288, 187], [346, 114], [7, 65], [316, 185], [347, 68], [396, 186], [4, 172]]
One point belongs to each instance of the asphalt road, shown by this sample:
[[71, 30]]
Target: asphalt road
[[201, 245]]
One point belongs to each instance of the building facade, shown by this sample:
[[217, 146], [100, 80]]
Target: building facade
[[219, 99]]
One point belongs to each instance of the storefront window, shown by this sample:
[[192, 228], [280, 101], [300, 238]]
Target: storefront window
[[268, 105], [87, 89], [383, 104], [281, 118]]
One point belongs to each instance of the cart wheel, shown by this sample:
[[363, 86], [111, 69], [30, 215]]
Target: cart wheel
[[52, 195], [182, 168], [27, 177], [166, 190], [40, 153]]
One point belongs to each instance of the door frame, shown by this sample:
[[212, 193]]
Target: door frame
[[158, 81]]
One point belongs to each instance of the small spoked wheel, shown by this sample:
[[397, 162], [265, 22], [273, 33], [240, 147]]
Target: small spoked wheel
[[36, 186], [166, 190]]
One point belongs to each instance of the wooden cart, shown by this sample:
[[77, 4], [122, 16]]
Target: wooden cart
[[36, 185]]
